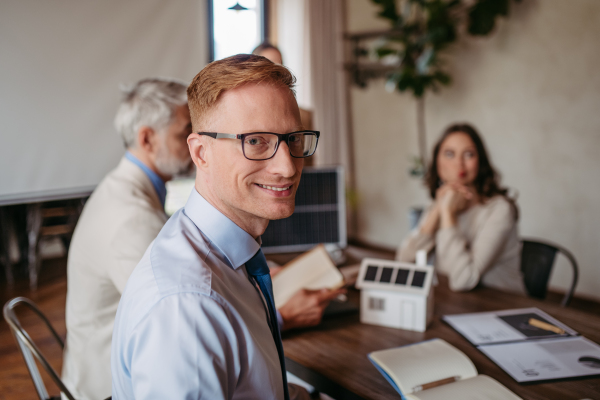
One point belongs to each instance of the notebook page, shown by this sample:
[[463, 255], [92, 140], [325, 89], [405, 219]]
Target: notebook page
[[312, 270], [423, 363], [481, 387], [546, 359], [504, 326]]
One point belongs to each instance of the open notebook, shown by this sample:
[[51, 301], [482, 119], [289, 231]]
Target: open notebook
[[436, 370], [529, 344]]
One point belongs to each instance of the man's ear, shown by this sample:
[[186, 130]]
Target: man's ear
[[146, 139], [198, 146]]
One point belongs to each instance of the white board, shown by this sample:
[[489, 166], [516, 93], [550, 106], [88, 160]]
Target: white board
[[61, 64]]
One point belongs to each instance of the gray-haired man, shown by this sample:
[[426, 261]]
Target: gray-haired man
[[119, 221]]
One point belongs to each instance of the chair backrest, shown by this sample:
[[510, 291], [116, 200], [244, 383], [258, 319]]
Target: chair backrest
[[30, 350], [537, 260]]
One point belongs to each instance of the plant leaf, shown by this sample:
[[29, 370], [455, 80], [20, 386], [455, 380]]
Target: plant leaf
[[482, 15]]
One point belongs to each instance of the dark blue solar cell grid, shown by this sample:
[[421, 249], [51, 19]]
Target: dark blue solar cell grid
[[303, 228], [418, 279], [402, 276], [386, 275], [371, 273], [308, 227], [317, 188]]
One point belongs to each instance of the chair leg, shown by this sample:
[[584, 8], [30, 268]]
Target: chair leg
[[38, 382], [5, 261], [6, 225], [10, 279], [34, 223]]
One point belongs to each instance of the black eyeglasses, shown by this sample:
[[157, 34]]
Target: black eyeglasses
[[259, 146]]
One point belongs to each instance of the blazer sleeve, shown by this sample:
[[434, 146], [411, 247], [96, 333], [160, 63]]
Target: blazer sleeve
[[415, 241], [465, 263], [129, 245]]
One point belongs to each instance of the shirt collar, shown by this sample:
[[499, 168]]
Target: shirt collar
[[157, 182], [237, 245]]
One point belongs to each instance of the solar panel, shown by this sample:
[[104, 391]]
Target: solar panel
[[394, 276], [319, 216]]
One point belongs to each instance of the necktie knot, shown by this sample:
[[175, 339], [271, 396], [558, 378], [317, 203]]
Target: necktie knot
[[257, 265]]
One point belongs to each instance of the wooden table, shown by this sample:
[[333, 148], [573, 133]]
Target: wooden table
[[333, 356]]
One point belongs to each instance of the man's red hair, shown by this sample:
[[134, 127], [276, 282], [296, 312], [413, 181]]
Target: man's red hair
[[230, 73]]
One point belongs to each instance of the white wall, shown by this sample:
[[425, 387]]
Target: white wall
[[61, 64], [293, 40], [533, 90]]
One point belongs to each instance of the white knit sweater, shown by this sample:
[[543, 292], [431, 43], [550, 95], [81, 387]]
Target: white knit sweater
[[483, 247]]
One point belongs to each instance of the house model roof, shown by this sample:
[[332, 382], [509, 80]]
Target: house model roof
[[394, 276]]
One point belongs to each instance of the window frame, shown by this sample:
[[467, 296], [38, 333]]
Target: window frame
[[211, 24]]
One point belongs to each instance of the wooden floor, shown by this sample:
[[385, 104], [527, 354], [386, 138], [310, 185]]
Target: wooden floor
[[15, 382]]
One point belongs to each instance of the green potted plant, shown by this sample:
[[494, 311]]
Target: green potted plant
[[420, 32]]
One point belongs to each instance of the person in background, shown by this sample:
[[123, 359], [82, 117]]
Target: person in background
[[472, 222], [197, 318], [307, 306], [272, 53], [268, 51], [121, 218]]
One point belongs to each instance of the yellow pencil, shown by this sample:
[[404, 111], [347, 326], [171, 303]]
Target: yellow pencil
[[545, 326]]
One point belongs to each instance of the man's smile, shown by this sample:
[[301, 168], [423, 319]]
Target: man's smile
[[275, 188]]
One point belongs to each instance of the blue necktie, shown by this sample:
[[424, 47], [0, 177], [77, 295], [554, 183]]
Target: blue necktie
[[258, 268]]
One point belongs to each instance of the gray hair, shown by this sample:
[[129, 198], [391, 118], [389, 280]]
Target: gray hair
[[150, 102]]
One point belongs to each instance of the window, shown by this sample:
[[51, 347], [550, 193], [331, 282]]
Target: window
[[237, 26]]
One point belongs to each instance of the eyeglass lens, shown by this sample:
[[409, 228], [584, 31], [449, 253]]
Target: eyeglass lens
[[260, 146]]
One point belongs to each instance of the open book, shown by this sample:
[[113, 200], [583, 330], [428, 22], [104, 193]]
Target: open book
[[507, 326], [530, 345], [312, 270], [436, 370]]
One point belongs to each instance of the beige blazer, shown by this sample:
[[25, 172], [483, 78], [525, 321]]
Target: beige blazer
[[483, 247], [118, 223]]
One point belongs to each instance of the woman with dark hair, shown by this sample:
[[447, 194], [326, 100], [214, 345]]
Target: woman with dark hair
[[472, 222]]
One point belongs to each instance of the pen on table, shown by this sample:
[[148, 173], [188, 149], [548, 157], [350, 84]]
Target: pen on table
[[545, 326], [433, 384]]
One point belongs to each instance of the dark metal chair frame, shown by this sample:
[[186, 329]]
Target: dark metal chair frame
[[537, 260], [30, 350]]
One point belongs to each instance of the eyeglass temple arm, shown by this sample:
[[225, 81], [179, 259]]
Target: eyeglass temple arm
[[216, 135]]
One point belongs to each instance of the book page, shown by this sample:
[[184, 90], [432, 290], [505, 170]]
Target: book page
[[418, 364], [481, 387], [312, 270], [547, 359]]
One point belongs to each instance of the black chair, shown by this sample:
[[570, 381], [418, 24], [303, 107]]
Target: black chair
[[537, 260], [30, 350]]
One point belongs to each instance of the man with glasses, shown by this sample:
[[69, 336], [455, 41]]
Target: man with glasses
[[197, 318], [119, 221]]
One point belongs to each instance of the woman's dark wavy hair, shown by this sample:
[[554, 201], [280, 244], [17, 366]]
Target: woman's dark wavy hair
[[487, 182]]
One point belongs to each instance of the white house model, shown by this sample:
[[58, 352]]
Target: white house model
[[395, 294]]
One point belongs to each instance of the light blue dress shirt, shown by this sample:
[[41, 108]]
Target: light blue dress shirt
[[157, 182], [190, 324], [161, 191]]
